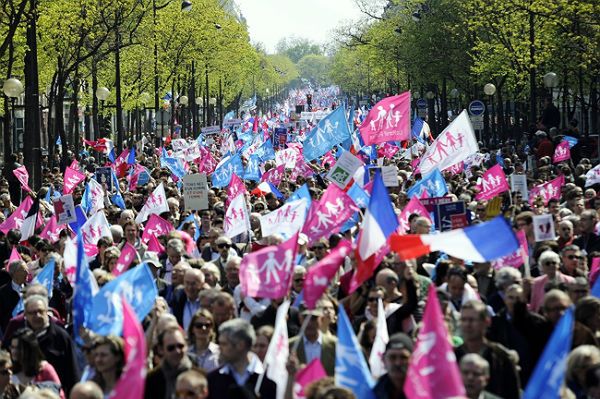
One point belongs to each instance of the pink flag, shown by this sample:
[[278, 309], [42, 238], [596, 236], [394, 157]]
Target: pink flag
[[52, 230], [301, 169], [517, 258], [562, 152], [328, 158], [456, 169], [15, 220], [313, 371], [549, 190], [128, 254], [135, 176], [23, 177], [236, 186], [388, 120], [413, 206], [335, 208], [274, 175], [594, 271], [319, 275], [133, 377], [71, 179], [75, 165], [14, 255], [493, 183], [155, 246], [156, 226], [206, 163], [433, 371], [387, 150], [267, 273], [120, 165]]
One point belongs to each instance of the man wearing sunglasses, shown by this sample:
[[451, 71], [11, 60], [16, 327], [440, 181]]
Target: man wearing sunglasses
[[572, 259]]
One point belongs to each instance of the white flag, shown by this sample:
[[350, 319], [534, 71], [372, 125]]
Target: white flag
[[381, 340], [97, 226], [286, 220], [456, 143], [237, 219], [592, 176], [97, 196], [156, 203], [279, 351]]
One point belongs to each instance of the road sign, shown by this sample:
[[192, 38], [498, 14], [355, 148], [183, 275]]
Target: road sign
[[476, 108], [421, 103], [450, 216], [477, 122]]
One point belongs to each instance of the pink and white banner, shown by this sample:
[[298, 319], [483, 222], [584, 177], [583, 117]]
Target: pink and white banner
[[237, 218], [155, 204], [456, 169], [71, 179], [236, 186], [274, 175], [517, 258], [286, 220], [267, 273], [413, 206], [562, 152], [156, 226], [549, 190], [319, 275], [52, 229], [493, 183], [15, 220], [388, 120], [128, 254], [23, 177]]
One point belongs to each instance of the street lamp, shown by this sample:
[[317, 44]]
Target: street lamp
[[186, 5], [13, 88], [454, 93], [551, 81], [183, 101], [102, 94], [489, 89], [212, 102]]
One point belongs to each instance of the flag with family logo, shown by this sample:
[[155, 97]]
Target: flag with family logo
[[330, 131], [266, 152], [155, 204], [46, 276], [434, 184], [236, 186], [547, 191], [414, 206], [237, 218], [493, 183], [320, 275], [285, 220], [93, 197], [15, 220], [351, 370], [128, 254], [94, 228], [137, 286], [388, 120], [23, 177], [84, 290], [562, 152], [301, 192], [252, 171], [226, 168], [71, 179], [549, 373], [456, 143], [267, 273], [274, 175], [174, 165], [156, 226]]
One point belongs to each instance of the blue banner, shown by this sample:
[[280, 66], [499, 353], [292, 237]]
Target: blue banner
[[46, 276], [252, 171], [433, 183], [329, 131], [222, 175]]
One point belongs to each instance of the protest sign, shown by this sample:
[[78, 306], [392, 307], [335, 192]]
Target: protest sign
[[195, 192], [64, 209], [344, 169]]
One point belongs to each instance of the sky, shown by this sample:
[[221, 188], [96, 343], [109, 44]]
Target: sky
[[271, 20]]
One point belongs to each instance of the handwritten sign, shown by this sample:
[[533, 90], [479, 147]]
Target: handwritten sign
[[195, 192]]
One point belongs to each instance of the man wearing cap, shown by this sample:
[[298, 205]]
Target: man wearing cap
[[396, 358], [313, 344]]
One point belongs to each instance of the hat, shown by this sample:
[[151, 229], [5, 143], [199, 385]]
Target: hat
[[302, 239], [223, 240], [399, 341], [151, 258]]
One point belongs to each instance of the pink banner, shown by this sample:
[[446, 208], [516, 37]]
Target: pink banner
[[388, 120], [274, 175], [236, 186], [156, 226], [128, 254], [52, 230], [301, 169], [335, 208], [14, 255], [206, 163], [562, 152], [267, 273], [155, 246], [549, 190], [413, 206], [71, 179], [433, 371], [387, 151], [313, 371], [493, 183], [23, 177], [132, 382], [15, 220], [320, 274], [517, 258]]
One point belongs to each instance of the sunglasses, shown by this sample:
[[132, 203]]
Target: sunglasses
[[172, 347], [186, 394], [223, 246], [202, 325], [550, 263], [319, 247], [571, 257], [298, 280], [373, 299]]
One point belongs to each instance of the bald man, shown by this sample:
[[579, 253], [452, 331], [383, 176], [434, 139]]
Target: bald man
[[86, 390], [388, 279]]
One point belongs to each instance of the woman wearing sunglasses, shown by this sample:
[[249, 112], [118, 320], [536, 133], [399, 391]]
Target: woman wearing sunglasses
[[201, 336]]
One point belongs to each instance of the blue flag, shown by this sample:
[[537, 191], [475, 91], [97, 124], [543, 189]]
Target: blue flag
[[329, 131], [86, 199], [549, 373], [572, 141], [351, 370], [118, 200], [83, 292], [111, 155], [191, 218], [252, 171], [139, 289], [266, 151], [433, 183], [58, 140], [359, 196], [46, 276], [301, 192], [131, 156], [48, 197], [417, 128], [173, 164], [81, 219], [350, 223], [222, 175]]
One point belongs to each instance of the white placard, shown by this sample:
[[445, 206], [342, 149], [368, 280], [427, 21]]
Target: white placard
[[343, 170], [64, 208], [519, 183], [195, 192], [390, 175], [543, 228]]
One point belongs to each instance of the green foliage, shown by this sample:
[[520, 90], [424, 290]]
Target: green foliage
[[296, 48], [315, 68]]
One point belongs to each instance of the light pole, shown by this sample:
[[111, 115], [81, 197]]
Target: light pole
[[13, 88], [430, 96], [102, 94], [212, 103], [551, 81], [489, 89], [454, 93], [200, 104], [183, 101]]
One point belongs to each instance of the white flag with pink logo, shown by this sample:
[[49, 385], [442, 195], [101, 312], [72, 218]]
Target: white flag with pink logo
[[286, 220], [71, 179], [97, 196], [274, 175], [456, 143], [237, 218], [493, 183], [155, 204], [414, 206], [236, 186], [94, 228], [562, 152], [267, 273]]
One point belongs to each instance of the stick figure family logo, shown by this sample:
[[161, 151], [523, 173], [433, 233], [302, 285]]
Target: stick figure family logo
[[561, 151], [273, 268], [492, 182], [444, 148], [319, 137], [388, 118]]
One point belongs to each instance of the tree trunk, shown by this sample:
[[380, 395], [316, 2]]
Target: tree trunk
[[95, 120], [31, 137]]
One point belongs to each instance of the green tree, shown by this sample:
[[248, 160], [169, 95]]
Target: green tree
[[297, 47]]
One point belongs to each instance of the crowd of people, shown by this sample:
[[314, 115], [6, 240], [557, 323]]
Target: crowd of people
[[206, 339]]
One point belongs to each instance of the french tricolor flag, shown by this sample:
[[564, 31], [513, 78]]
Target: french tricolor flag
[[264, 188], [380, 220], [483, 242]]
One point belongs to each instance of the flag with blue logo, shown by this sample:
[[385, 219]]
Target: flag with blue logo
[[191, 218], [222, 174], [549, 374], [58, 140], [252, 171], [301, 192], [46, 276], [83, 292], [81, 219], [266, 151], [351, 370], [137, 286], [331, 130], [173, 164], [359, 196], [433, 183]]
